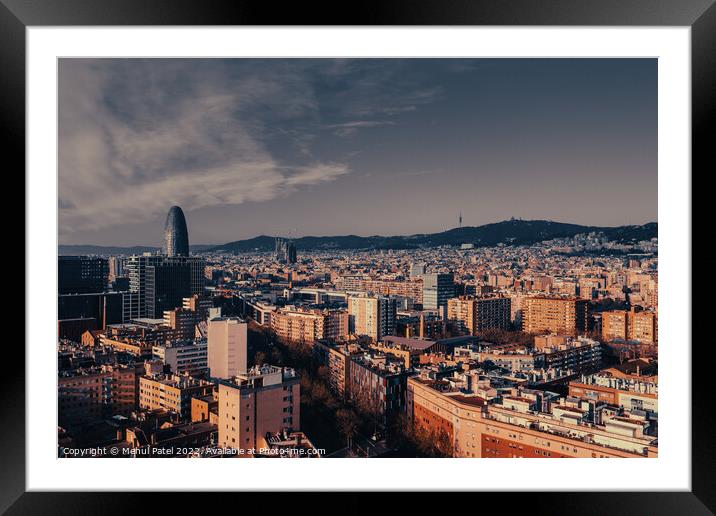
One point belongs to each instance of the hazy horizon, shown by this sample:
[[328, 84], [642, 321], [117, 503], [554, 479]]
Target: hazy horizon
[[334, 235], [326, 147]]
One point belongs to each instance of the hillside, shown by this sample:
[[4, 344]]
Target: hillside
[[515, 232]]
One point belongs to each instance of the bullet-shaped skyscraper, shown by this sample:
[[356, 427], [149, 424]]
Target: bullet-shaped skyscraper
[[158, 283], [176, 236]]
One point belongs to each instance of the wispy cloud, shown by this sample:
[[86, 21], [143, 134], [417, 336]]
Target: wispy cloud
[[131, 148], [348, 128], [137, 136]]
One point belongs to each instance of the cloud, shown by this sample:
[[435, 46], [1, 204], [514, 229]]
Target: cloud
[[129, 152], [139, 135], [348, 128]]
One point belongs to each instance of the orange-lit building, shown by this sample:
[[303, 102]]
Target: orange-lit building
[[633, 385], [560, 315], [256, 404], [171, 392], [630, 325], [526, 424], [205, 408], [412, 288], [475, 314], [308, 326]]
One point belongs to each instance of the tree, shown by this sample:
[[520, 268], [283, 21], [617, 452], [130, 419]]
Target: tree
[[276, 357], [348, 422], [420, 441], [259, 358], [307, 390]]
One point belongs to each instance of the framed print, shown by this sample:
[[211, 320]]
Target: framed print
[[411, 248]]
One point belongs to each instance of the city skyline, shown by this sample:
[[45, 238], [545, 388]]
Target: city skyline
[[360, 146]]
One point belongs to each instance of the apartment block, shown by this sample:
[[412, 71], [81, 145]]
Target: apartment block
[[183, 357], [376, 383], [227, 347], [256, 404], [171, 392], [371, 316], [528, 424], [631, 390], [560, 315], [309, 325], [88, 394], [474, 314], [630, 325]]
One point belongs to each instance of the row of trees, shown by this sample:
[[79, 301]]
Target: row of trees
[[333, 422]]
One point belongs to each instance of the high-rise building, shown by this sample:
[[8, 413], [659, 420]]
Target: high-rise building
[[376, 383], [227, 350], [474, 314], [437, 289], [162, 282], [82, 274], [176, 236], [560, 315], [285, 251], [372, 316], [158, 283], [615, 325], [261, 401], [116, 267], [104, 307]]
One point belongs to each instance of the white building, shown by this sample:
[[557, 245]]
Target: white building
[[227, 347]]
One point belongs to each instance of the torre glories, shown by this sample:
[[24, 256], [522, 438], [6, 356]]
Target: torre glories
[[160, 282], [176, 236]]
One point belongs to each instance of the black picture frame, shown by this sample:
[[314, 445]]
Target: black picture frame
[[700, 15]]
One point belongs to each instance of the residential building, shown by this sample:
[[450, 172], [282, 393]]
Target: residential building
[[373, 316], [561, 315], [630, 325], [309, 325], [257, 403], [524, 423], [474, 314], [88, 394], [171, 392], [227, 347], [376, 385], [183, 356]]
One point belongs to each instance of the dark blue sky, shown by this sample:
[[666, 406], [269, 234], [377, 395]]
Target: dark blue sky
[[362, 146]]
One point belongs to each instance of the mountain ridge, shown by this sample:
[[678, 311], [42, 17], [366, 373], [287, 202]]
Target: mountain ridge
[[515, 232]]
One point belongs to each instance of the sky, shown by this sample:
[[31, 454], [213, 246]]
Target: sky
[[351, 146]]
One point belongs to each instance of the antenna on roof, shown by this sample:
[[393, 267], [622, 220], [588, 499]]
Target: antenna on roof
[[459, 219]]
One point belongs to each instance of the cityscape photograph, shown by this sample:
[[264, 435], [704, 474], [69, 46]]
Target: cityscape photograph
[[357, 258]]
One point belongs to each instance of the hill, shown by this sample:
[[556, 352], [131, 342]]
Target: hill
[[514, 232]]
